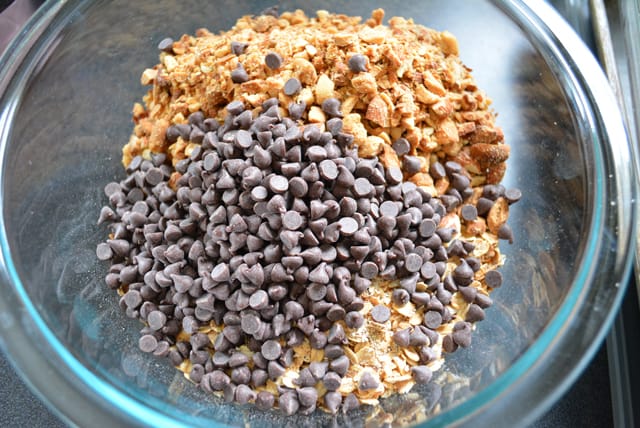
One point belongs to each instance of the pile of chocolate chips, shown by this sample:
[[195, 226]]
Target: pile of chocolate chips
[[274, 230]]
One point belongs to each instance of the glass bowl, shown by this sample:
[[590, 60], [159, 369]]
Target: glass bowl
[[67, 85]]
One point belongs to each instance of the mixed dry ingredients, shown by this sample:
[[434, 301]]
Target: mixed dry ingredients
[[312, 209]]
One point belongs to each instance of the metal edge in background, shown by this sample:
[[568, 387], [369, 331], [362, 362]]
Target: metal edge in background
[[617, 32]]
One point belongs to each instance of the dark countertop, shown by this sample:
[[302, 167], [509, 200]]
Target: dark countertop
[[587, 403]]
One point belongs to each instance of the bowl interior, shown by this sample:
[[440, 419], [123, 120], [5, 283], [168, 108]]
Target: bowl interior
[[74, 117]]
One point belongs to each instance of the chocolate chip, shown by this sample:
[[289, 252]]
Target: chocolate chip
[[148, 343], [357, 63], [244, 394], [296, 110], [278, 184], [432, 319], [340, 365], [462, 334], [264, 400], [411, 164], [380, 313], [318, 340], [421, 374], [401, 146], [239, 74], [483, 300], [273, 60], [307, 396], [288, 402], [354, 319], [368, 381], [468, 212], [216, 380], [250, 323], [463, 274], [474, 313], [413, 262], [402, 337], [271, 350], [292, 86], [238, 48], [332, 401], [331, 106], [512, 195], [505, 232], [166, 45], [369, 270], [104, 251], [493, 279]]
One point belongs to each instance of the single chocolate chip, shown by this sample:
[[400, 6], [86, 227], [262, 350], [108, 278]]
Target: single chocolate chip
[[411, 164], [271, 350], [483, 300], [273, 60], [468, 212], [483, 205], [166, 45], [292, 86], [380, 313], [357, 63], [512, 195], [148, 343], [421, 374], [217, 380], [354, 319], [474, 313], [264, 400], [402, 337], [493, 279], [332, 401], [250, 323], [394, 175], [401, 146], [460, 181], [241, 375], [244, 394], [104, 251], [432, 319], [328, 169], [368, 381], [238, 48], [278, 184], [427, 228], [463, 274], [259, 299], [239, 74], [288, 402], [505, 232], [400, 297], [389, 208], [418, 338], [331, 106], [336, 334], [340, 365], [296, 110], [413, 262], [369, 270], [462, 334], [307, 396]]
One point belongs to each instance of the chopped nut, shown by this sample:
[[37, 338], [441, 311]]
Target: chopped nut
[[316, 115], [148, 76], [364, 83], [498, 215], [378, 112], [324, 88]]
